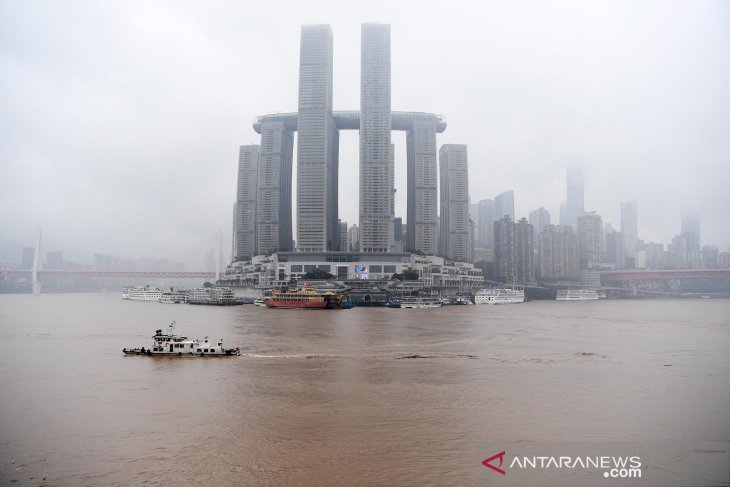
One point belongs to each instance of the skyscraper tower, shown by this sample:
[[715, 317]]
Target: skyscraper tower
[[273, 201], [539, 218], [454, 233], [504, 205], [376, 181], [422, 213], [691, 229], [244, 209], [629, 231], [317, 144], [575, 202]]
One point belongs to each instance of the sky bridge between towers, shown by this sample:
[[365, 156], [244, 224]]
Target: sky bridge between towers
[[350, 120]]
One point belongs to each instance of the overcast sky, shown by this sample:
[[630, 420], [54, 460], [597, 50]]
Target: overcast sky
[[120, 121]]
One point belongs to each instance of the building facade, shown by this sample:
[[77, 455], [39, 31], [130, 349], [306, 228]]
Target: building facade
[[244, 209], [539, 218], [454, 226], [316, 145], [376, 174], [590, 236], [558, 253], [273, 202]]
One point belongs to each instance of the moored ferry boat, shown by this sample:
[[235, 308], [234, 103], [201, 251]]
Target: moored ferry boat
[[417, 302], [306, 297], [499, 296], [576, 295], [141, 293], [167, 343]]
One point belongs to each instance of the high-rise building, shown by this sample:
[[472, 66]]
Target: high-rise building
[[615, 251], [558, 253], [342, 235], [244, 209], [539, 218], [691, 228], [487, 216], [524, 251], [317, 144], [504, 250], [575, 202], [504, 205], [454, 220], [273, 202], [590, 236], [422, 214], [353, 238], [376, 181], [630, 232], [474, 215]]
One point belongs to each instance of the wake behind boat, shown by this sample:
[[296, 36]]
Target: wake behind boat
[[170, 344]]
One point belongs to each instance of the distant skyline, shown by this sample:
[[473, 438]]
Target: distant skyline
[[122, 121]]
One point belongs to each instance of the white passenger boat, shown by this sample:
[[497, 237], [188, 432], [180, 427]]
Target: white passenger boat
[[141, 293], [576, 295], [499, 296], [260, 302], [414, 302], [170, 344]]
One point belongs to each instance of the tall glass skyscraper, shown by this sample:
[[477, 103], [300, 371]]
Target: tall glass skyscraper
[[454, 234], [316, 147], [376, 176]]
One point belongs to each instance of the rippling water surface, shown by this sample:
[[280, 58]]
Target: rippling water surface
[[349, 397]]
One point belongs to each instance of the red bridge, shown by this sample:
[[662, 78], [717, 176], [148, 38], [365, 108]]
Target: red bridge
[[106, 273], [653, 275]]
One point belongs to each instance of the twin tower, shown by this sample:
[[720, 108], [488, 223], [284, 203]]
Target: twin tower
[[263, 208]]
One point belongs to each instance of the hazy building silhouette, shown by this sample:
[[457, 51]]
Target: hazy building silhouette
[[454, 225], [615, 249], [630, 232], [539, 218], [691, 228], [244, 209], [504, 205], [376, 180], [575, 202], [316, 145], [487, 216]]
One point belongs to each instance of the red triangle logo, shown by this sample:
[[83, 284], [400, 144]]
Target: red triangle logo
[[499, 455]]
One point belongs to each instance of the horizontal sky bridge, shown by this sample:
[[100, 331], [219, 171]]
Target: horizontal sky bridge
[[350, 120]]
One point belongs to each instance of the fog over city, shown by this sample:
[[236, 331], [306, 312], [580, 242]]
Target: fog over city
[[121, 121]]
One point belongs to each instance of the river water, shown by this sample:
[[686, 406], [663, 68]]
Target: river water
[[349, 397]]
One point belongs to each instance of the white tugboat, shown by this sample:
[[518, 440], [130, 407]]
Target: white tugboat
[[170, 344]]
